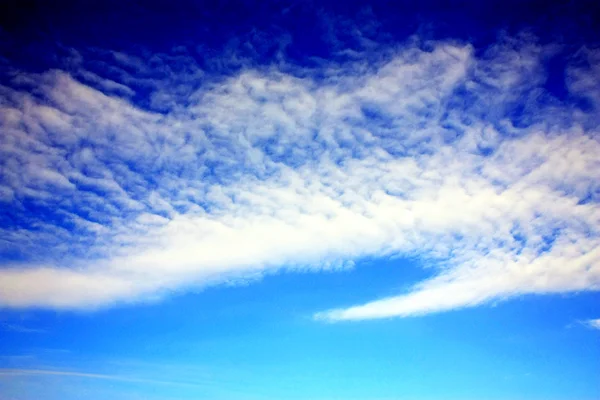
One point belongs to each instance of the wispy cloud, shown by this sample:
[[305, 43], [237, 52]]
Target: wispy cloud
[[21, 329], [75, 374], [459, 159]]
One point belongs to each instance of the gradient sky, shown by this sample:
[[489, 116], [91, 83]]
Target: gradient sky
[[299, 200]]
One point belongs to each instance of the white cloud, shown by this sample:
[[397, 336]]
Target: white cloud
[[268, 170], [593, 323]]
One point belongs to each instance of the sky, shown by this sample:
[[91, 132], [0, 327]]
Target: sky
[[299, 200]]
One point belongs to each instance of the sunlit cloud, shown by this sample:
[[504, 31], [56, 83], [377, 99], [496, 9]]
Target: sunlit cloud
[[593, 323], [432, 151]]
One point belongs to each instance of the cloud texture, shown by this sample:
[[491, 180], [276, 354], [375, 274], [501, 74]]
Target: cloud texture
[[158, 177]]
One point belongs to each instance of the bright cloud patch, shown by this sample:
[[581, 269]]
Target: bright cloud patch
[[460, 159], [593, 323]]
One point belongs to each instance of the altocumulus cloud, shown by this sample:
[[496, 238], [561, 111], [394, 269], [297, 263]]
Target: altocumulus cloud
[[429, 150]]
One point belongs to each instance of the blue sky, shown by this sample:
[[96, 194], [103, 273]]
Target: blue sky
[[299, 200]]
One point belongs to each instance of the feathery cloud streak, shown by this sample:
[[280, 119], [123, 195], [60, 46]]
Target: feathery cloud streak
[[75, 374], [430, 151]]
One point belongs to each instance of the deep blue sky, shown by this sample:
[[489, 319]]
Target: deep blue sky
[[305, 200]]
